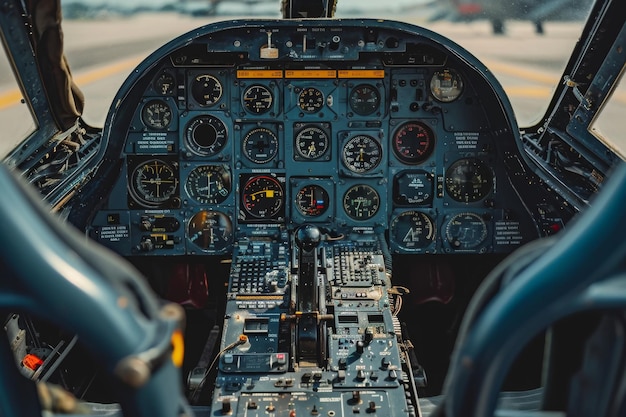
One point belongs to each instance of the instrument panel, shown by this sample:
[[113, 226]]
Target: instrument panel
[[248, 129]]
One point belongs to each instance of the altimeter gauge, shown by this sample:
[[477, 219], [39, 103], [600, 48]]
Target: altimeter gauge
[[310, 100], [362, 153], [311, 143], [209, 184]]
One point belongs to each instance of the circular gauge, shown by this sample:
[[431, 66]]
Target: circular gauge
[[446, 85], [208, 184], [413, 230], [260, 145], [362, 153], [206, 135], [361, 202], [165, 84], [312, 200], [257, 99], [212, 231], [364, 99], [153, 182], [413, 142], [310, 100], [156, 114], [262, 196], [468, 180], [413, 188], [206, 89], [311, 142], [466, 231]]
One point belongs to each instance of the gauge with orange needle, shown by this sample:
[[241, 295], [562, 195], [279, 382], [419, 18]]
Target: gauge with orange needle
[[262, 196]]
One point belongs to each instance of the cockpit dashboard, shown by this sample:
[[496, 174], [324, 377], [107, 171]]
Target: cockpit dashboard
[[249, 129]]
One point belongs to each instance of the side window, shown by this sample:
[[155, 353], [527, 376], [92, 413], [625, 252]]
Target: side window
[[16, 121], [610, 125]]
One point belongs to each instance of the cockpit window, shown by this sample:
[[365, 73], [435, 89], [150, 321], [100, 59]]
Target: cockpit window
[[609, 126], [16, 120]]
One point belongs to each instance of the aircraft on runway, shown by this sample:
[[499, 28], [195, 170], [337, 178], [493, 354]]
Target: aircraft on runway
[[313, 217], [498, 12], [210, 7]]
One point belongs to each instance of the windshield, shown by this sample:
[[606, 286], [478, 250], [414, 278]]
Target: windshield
[[525, 45]]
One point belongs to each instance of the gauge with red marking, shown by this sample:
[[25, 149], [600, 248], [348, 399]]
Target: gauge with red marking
[[312, 200], [413, 142], [262, 196]]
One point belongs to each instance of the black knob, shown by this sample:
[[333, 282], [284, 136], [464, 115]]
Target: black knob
[[308, 237], [226, 407]]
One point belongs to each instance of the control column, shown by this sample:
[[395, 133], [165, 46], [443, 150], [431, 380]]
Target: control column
[[307, 238]]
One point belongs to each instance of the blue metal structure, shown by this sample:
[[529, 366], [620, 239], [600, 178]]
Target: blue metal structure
[[267, 193]]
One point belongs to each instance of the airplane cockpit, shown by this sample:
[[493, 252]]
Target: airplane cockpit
[[306, 189]]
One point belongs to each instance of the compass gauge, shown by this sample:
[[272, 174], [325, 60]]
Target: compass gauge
[[153, 183], [446, 85], [206, 135]]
